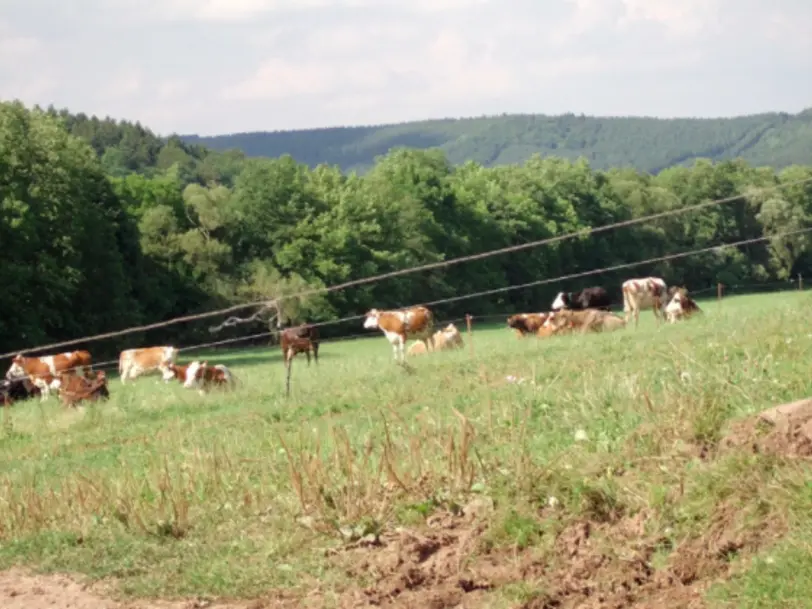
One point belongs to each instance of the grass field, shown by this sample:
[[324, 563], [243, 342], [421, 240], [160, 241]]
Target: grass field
[[171, 494]]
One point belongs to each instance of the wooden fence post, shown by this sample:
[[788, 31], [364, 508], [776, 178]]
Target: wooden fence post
[[287, 378], [719, 287], [470, 335]]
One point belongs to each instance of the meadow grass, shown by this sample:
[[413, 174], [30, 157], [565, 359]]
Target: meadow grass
[[174, 494]]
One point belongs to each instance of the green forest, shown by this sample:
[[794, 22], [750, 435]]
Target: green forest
[[106, 225], [646, 144]]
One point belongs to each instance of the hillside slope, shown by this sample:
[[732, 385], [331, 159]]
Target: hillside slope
[[648, 144]]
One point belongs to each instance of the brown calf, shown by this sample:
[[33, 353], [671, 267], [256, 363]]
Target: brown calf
[[301, 339], [74, 389]]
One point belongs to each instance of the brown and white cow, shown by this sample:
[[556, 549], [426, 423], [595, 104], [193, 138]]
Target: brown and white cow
[[644, 293], [43, 371], [681, 306], [135, 362], [201, 376], [446, 339], [400, 326], [527, 323], [588, 320]]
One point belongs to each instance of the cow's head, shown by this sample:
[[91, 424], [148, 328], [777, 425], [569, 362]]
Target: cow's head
[[676, 301], [194, 374], [562, 301], [558, 320], [16, 369], [371, 321], [168, 372], [516, 321]]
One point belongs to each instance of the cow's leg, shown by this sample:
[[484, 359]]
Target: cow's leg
[[307, 353]]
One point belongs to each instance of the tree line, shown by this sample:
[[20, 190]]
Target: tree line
[[777, 139], [95, 243]]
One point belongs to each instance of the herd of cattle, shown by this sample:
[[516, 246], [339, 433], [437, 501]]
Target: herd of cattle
[[71, 374], [588, 311]]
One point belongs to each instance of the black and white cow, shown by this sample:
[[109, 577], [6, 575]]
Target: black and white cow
[[588, 298], [16, 390]]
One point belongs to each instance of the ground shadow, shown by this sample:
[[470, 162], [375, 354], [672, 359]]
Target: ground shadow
[[254, 357]]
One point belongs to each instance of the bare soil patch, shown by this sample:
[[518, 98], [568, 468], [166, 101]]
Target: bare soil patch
[[784, 430]]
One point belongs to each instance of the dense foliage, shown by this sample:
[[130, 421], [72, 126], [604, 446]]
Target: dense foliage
[[647, 144], [103, 226]]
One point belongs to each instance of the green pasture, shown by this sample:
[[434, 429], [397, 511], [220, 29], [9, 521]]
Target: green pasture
[[231, 494]]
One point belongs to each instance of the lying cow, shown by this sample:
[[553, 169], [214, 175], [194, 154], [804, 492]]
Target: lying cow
[[301, 339], [681, 306], [74, 389], [132, 363], [400, 326], [591, 320], [204, 377], [43, 371], [17, 390], [588, 298], [443, 340], [527, 323]]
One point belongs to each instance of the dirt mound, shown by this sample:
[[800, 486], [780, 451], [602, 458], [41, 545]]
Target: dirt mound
[[782, 430], [424, 569]]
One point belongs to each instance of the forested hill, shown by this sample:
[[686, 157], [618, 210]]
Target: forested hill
[[647, 144]]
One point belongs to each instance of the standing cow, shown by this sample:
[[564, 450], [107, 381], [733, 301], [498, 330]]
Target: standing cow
[[400, 326], [135, 362], [588, 298], [299, 339], [644, 293]]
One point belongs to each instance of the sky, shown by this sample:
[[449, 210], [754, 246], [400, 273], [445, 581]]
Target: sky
[[224, 66]]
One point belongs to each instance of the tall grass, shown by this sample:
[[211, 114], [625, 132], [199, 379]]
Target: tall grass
[[234, 493]]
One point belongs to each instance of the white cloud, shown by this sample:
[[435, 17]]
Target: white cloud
[[447, 64], [678, 17], [125, 84], [242, 10]]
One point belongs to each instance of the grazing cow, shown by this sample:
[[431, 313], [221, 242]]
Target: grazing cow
[[43, 371], [74, 389], [400, 326], [446, 339], [17, 390], [588, 298], [203, 377], [301, 339], [681, 306], [591, 320], [644, 293], [135, 362], [527, 323]]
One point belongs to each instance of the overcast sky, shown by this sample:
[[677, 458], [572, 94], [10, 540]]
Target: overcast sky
[[220, 66]]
